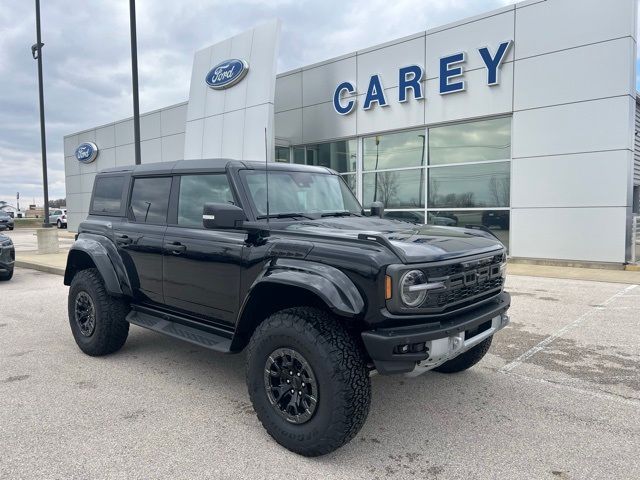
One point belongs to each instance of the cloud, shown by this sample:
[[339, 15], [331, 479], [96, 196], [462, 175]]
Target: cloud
[[87, 59]]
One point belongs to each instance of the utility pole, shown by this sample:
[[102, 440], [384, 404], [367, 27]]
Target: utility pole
[[134, 79], [36, 52]]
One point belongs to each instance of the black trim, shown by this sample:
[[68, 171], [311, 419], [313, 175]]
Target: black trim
[[381, 342]]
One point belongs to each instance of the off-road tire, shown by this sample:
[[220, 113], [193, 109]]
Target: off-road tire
[[467, 360], [6, 276], [338, 362], [111, 328]]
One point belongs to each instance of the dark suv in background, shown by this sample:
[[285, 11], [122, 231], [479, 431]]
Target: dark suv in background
[[6, 220], [284, 262]]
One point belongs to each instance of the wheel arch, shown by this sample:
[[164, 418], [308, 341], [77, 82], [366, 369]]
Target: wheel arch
[[293, 283], [92, 253]]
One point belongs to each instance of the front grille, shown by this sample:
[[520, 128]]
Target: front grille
[[465, 282]]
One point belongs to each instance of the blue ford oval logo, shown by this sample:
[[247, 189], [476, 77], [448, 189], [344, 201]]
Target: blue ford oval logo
[[227, 73], [86, 152]]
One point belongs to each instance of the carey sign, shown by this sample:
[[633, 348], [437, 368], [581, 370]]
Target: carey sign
[[227, 73], [410, 78], [86, 152]]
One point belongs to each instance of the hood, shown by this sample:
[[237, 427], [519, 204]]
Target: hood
[[412, 243]]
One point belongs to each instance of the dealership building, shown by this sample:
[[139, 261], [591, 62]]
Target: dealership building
[[522, 119]]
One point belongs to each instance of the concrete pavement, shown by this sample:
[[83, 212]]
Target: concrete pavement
[[557, 397]]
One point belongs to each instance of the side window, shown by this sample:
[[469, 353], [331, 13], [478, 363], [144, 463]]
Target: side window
[[195, 191], [150, 199], [107, 195]]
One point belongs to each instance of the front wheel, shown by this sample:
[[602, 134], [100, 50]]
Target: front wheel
[[308, 381], [467, 359], [97, 320], [6, 276]]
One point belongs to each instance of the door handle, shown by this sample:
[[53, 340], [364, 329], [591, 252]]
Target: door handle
[[175, 248], [123, 239]]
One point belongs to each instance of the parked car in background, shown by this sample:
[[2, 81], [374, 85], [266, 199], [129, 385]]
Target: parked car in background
[[6, 220], [499, 218], [418, 217], [7, 256], [59, 218]]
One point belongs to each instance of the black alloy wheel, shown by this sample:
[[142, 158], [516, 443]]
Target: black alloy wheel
[[85, 314], [291, 385]]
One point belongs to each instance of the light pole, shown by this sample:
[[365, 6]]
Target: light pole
[[36, 52], [134, 79]]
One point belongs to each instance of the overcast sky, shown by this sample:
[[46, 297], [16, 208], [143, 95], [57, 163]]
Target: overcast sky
[[87, 60]]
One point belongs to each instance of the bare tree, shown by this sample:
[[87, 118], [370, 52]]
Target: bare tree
[[387, 186]]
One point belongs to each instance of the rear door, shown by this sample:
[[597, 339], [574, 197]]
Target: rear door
[[139, 237], [201, 266]]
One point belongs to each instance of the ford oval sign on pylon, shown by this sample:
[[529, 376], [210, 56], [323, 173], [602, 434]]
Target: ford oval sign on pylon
[[86, 152], [227, 73]]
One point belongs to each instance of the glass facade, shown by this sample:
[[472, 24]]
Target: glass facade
[[450, 175]]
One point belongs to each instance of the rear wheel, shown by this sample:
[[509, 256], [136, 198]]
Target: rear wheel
[[308, 381], [466, 360], [59, 224], [97, 320]]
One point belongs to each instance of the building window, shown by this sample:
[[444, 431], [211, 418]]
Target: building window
[[298, 155], [495, 220], [283, 154], [395, 150], [480, 141], [469, 186], [396, 189], [339, 156]]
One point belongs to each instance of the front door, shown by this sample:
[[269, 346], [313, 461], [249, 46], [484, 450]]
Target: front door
[[139, 238], [201, 266]]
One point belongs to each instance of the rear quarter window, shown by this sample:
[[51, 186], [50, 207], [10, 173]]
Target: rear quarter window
[[107, 195]]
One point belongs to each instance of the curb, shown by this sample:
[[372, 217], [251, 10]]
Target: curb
[[39, 267]]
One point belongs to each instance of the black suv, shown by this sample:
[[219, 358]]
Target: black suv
[[319, 293], [7, 256]]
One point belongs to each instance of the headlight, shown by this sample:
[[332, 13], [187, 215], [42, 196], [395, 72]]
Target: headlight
[[412, 297]]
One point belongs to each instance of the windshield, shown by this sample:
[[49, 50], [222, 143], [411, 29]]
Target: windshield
[[299, 192]]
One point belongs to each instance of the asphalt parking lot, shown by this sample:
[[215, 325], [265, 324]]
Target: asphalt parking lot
[[557, 397]]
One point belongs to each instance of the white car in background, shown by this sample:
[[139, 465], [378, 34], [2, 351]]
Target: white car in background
[[59, 217]]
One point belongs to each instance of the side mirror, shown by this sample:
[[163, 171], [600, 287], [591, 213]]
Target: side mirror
[[222, 215], [377, 209]]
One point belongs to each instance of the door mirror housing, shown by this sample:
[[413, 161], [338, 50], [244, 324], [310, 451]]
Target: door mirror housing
[[377, 209], [222, 215]]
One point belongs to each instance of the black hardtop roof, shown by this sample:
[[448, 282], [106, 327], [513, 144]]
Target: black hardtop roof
[[210, 165]]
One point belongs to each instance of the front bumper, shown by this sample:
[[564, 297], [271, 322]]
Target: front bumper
[[438, 341]]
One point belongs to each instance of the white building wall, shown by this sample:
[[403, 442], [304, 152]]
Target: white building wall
[[161, 140], [231, 123], [568, 82], [574, 91]]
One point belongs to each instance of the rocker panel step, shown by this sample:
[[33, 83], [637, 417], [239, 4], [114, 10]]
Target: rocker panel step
[[183, 332]]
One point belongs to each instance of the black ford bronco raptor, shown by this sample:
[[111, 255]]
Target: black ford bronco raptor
[[319, 292]]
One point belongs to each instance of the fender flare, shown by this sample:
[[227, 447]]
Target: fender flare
[[331, 285], [105, 257]]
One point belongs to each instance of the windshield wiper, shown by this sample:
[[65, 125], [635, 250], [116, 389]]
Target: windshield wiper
[[344, 213], [284, 215]]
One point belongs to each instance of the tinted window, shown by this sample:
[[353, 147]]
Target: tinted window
[[107, 195], [396, 189], [150, 199], [195, 191], [470, 186]]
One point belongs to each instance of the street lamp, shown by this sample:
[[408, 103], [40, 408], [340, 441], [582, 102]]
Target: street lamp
[[134, 79], [36, 52]]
